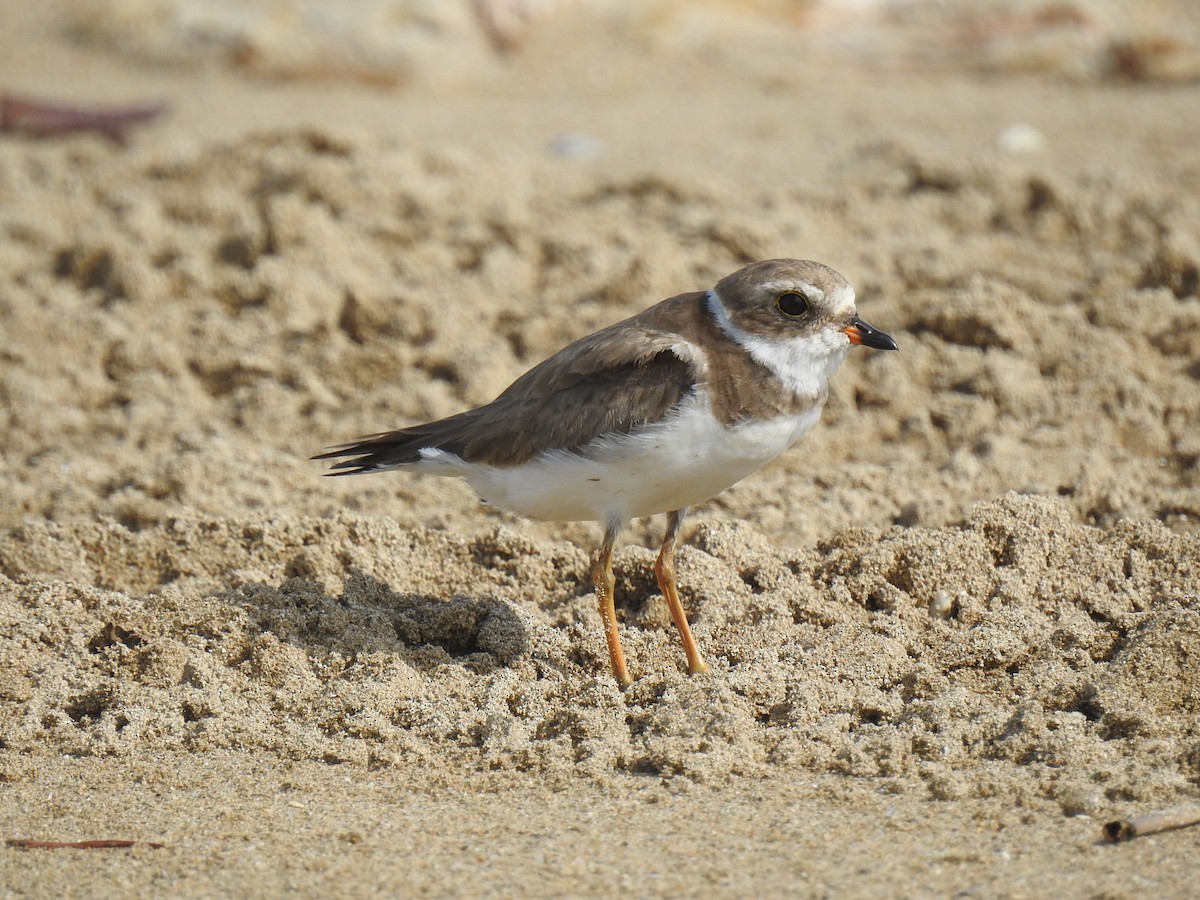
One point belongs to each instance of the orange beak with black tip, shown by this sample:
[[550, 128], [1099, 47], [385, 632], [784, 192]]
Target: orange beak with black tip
[[860, 332]]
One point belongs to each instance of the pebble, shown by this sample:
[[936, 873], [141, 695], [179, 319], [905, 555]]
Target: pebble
[[941, 606], [1020, 138], [577, 146]]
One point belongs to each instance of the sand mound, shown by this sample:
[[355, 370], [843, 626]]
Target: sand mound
[[1020, 652], [229, 307]]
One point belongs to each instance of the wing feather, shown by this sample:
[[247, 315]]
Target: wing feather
[[604, 383]]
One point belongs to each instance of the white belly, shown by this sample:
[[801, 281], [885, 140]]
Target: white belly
[[686, 460]]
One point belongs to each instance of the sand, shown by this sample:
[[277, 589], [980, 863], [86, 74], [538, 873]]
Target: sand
[[951, 633]]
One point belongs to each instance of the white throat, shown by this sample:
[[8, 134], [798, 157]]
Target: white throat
[[804, 364]]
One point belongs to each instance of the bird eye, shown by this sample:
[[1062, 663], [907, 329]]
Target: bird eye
[[792, 304]]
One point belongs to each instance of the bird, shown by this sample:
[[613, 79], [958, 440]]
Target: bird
[[654, 414]]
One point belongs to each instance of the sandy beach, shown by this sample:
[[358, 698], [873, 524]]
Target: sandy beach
[[951, 633]]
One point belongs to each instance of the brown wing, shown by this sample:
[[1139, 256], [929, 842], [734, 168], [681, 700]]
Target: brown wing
[[613, 381]]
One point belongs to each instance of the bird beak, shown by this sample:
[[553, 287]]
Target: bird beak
[[860, 332]]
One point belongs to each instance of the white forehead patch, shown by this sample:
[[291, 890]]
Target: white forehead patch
[[842, 299]]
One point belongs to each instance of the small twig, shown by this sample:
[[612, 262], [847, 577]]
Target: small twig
[[1151, 823], [42, 119], [109, 844]]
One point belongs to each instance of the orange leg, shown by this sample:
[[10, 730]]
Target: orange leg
[[603, 582], [664, 571]]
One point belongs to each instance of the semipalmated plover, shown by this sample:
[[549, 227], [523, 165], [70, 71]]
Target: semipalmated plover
[[653, 414]]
